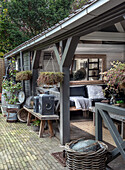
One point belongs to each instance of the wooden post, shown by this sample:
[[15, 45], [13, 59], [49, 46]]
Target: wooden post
[[64, 108], [21, 60], [65, 62], [22, 68], [123, 129], [30, 81], [35, 66], [98, 129]]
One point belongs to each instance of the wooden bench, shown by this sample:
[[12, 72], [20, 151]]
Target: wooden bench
[[43, 118]]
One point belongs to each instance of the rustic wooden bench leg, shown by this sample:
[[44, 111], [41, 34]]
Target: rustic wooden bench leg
[[123, 130], [50, 128], [28, 119], [42, 124]]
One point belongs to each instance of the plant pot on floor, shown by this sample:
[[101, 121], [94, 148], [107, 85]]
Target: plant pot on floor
[[36, 125], [36, 128], [12, 112]]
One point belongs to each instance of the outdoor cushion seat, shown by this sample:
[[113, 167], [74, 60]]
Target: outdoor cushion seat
[[83, 91]]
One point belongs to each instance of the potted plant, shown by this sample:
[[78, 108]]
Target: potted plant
[[23, 75], [115, 78], [36, 125], [10, 92], [50, 78]]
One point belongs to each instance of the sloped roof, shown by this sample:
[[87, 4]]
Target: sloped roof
[[82, 15]]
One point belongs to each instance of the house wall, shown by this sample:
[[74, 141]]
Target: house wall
[[2, 72], [49, 65], [114, 57]]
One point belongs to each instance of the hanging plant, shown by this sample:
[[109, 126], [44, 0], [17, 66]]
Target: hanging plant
[[49, 78], [23, 75]]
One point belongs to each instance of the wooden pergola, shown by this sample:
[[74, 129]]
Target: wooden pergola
[[83, 24]]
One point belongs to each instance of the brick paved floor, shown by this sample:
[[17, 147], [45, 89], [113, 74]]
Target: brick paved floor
[[20, 148]]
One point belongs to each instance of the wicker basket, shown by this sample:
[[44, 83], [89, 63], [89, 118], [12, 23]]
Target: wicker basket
[[22, 115], [94, 160]]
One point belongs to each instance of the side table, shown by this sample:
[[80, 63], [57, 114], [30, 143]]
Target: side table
[[92, 109], [119, 118]]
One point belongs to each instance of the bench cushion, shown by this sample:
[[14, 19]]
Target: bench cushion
[[95, 92], [78, 91]]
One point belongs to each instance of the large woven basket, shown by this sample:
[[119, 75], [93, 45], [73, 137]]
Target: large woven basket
[[22, 115], [94, 160]]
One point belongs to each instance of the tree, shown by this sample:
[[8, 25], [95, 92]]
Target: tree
[[20, 20], [79, 3], [32, 17], [10, 35]]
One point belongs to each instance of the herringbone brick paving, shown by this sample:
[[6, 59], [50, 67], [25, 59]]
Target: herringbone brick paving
[[21, 148]]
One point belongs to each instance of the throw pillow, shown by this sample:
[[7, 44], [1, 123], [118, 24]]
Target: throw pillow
[[95, 92]]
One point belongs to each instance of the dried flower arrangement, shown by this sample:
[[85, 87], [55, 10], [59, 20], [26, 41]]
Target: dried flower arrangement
[[49, 78], [115, 77], [23, 75]]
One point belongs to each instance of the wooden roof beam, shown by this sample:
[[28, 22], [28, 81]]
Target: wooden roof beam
[[105, 36], [119, 27]]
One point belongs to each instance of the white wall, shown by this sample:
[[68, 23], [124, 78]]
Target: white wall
[[114, 57], [48, 65]]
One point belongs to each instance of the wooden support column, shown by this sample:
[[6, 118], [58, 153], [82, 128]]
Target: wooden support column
[[30, 86], [22, 68], [35, 66], [64, 108], [34, 81], [65, 61], [21, 60]]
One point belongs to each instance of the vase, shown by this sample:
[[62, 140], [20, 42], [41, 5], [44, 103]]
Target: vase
[[36, 128], [112, 100], [4, 104]]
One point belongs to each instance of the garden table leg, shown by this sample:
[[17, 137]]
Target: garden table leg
[[98, 128], [123, 129]]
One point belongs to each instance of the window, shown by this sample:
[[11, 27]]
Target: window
[[87, 67]]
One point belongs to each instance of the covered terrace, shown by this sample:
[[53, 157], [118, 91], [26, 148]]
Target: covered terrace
[[97, 28]]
